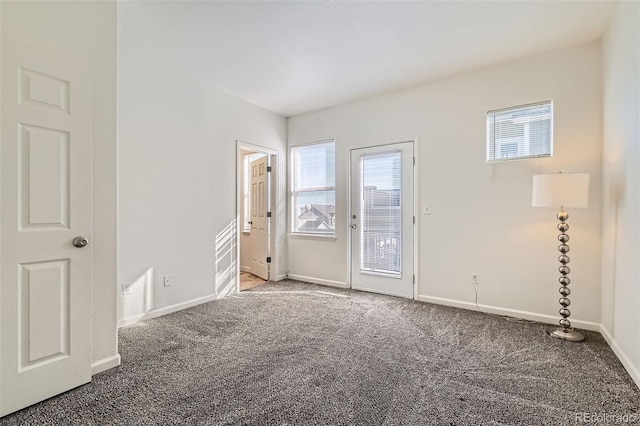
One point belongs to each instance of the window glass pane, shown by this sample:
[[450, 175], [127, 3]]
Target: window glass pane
[[315, 166], [313, 192], [381, 228], [520, 132], [315, 212]]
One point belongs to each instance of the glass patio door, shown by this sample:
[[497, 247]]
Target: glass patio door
[[382, 211]]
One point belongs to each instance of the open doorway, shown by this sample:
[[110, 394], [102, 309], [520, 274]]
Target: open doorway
[[254, 193]]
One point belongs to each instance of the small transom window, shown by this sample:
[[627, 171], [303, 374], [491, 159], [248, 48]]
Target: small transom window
[[520, 132]]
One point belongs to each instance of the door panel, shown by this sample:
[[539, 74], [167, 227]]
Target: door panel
[[45, 281], [382, 219], [259, 219], [44, 177], [44, 291]]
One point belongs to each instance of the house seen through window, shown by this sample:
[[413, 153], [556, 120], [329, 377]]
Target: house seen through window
[[520, 132], [313, 192]]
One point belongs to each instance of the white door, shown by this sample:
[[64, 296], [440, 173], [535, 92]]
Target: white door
[[382, 219], [45, 281], [259, 219]]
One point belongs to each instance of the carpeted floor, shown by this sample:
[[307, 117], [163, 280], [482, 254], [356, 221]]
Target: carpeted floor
[[298, 354]]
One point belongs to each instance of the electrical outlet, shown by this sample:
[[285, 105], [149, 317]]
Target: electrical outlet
[[168, 280], [475, 279], [280, 259], [426, 210]]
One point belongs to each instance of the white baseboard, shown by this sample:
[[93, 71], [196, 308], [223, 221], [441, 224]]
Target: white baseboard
[[330, 283], [281, 277], [105, 364], [622, 356], [532, 316], [245, 269], [167, 310]]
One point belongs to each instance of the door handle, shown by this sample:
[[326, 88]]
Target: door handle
[[354, 226], [80, 241], [250, 223]]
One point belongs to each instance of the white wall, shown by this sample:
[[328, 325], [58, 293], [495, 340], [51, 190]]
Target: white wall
[[621, 178], [85, 33], [482, 220], [177, 176]]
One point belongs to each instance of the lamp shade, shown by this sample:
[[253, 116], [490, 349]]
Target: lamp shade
[[561, 190]]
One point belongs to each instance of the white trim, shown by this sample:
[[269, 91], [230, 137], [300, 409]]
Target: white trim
[[532, 316], [622, 356], [245, 269], [347, 220], [272, 244], [312, 143], [416, 215], [105, 364], [386, 293], [167, 310], [330, 283], [328, 237], [255, 148], [281, 277]]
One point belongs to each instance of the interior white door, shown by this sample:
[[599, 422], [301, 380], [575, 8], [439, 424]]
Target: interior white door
[[382, 219], [45, 281], [259, 220]]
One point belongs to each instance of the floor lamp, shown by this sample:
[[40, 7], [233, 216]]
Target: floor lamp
[[562, 190]]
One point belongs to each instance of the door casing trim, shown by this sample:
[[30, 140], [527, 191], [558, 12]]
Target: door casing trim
[[272, 249]]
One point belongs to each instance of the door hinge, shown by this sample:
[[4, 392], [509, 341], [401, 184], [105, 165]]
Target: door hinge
[[414, 220], [268, 259], [268, 169], [268, 214], [414, 161]]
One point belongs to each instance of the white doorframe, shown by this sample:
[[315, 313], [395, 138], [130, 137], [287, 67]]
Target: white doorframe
[[416, 228], [272, 194]]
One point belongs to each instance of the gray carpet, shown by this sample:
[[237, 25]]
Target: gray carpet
[[291, 354]]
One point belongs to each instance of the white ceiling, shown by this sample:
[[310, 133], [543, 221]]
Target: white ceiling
[[292, 57]]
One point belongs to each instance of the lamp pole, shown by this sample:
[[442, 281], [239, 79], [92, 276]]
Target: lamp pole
[[565, 333]]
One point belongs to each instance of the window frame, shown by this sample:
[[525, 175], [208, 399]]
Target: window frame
[[293, 232], [489, 142]]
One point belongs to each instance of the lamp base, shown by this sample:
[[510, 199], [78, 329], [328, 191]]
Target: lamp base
[[566, 334]]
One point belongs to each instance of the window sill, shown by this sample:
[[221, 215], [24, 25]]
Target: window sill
[[518, 158], [313, 237]]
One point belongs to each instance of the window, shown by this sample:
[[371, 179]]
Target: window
[[381, 213], [313, 188], [520, 132]]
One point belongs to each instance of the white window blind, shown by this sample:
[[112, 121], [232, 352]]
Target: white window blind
[[313, 191], [520, 132], [381, 214]]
